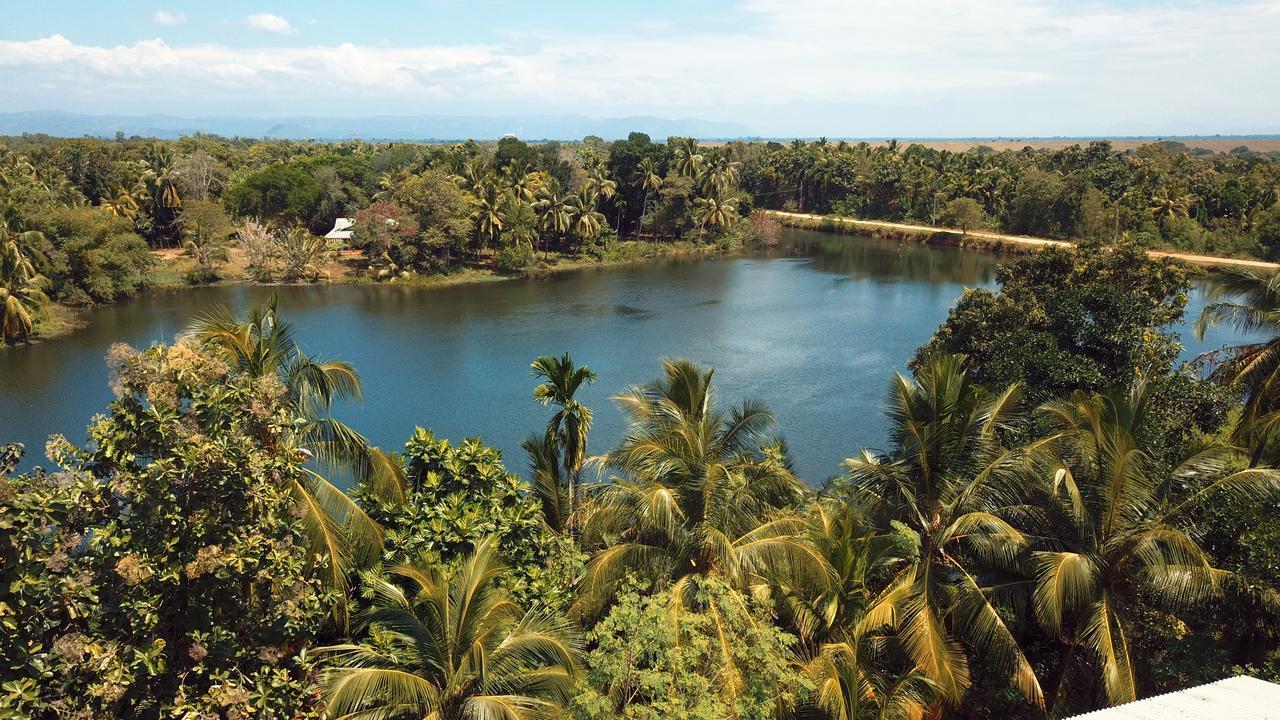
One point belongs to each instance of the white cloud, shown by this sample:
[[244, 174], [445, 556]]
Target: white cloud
[[267, 22], [165, 17], [874, 67]]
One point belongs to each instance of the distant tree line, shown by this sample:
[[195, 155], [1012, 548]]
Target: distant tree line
[[1160, 195]]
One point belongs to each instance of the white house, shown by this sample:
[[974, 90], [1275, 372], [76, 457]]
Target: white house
[[341, 230]]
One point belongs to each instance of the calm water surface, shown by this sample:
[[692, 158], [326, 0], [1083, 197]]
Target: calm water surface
[[816, 330]]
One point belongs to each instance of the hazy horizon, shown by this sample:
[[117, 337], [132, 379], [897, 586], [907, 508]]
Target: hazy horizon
[[778, 68]]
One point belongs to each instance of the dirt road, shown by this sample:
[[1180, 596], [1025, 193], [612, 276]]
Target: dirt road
[[1205, 260]]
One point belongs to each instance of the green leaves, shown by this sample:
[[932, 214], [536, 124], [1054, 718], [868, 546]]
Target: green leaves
[[452, 642]]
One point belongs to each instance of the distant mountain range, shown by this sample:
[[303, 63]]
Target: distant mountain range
[[382, 127]]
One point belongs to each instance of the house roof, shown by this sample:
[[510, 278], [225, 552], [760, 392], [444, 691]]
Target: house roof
[[1237, 698], [341, 229]]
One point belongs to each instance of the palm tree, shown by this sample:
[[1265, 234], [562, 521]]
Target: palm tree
[[1113, 537], [472, 177], [453, 646], [1249, 302], [689, 161], [525, 187], [947, 479], [586, 222], [548, 481], [490, 212], [696, 491], [568, 428], [722, 174], [1166, 205], [261, 345], [21, 288], [712, 212], [123, 204], [855, 674], [649, 180], [599, 185], [555, 212]]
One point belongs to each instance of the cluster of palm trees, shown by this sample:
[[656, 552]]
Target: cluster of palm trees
[[916, 560], [22, 288], [154, 194], [1066, 193], [963, 540], [561, 214], [715, 178]]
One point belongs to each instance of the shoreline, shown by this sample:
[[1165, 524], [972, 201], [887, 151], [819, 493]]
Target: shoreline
[[982, 239], [62, 320]]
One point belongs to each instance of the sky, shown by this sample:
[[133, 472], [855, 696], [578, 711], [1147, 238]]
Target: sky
[[855, 68]]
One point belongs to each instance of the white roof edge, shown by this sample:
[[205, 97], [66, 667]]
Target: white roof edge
[[1235, 698]]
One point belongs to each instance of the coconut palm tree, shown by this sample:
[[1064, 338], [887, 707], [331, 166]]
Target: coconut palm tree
[[526, 186], [1250, 302], [689, 162], [713, 212], [123, 204], [649, 180], [948, 478], [1113, 538], [548, 480], [722, 174], [452, 646], [568, 428], [261, 345], [599, 185], [490, 212], [1167, 205], [586, 221], [694, 491], [856, 673], [555, 211], [21, 288]]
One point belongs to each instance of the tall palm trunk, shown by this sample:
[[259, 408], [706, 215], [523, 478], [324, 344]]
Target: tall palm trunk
[[644, 212]]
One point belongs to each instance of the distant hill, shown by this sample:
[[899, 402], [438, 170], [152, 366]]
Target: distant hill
[[383, 127]]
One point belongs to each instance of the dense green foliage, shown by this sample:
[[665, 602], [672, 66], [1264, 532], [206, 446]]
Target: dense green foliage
[[457, 496], [1159, 195], [649, 663], [163, 572], [85, 214], [1080, 320], [1056, 524]]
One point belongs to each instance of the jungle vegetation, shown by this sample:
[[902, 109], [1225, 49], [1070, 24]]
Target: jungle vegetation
[[93, 221], [1061, 519]]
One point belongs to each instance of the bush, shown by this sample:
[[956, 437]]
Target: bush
[[514, 258], [459, 495], [201, 276]]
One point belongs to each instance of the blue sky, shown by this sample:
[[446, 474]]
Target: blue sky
[[779, 67]]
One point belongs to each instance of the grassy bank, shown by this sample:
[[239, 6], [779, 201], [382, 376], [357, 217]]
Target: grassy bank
[[173, 266]]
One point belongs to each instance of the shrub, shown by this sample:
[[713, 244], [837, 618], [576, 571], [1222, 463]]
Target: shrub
[[514, 258]]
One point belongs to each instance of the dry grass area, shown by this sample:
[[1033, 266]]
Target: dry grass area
[[175, 263], [1268, 144]]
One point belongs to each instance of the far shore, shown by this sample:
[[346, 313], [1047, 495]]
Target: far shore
[[985, 239]]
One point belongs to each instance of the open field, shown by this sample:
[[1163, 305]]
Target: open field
[[1215, 144]]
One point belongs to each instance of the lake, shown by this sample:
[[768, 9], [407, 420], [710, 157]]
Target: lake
[[815, 328]]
